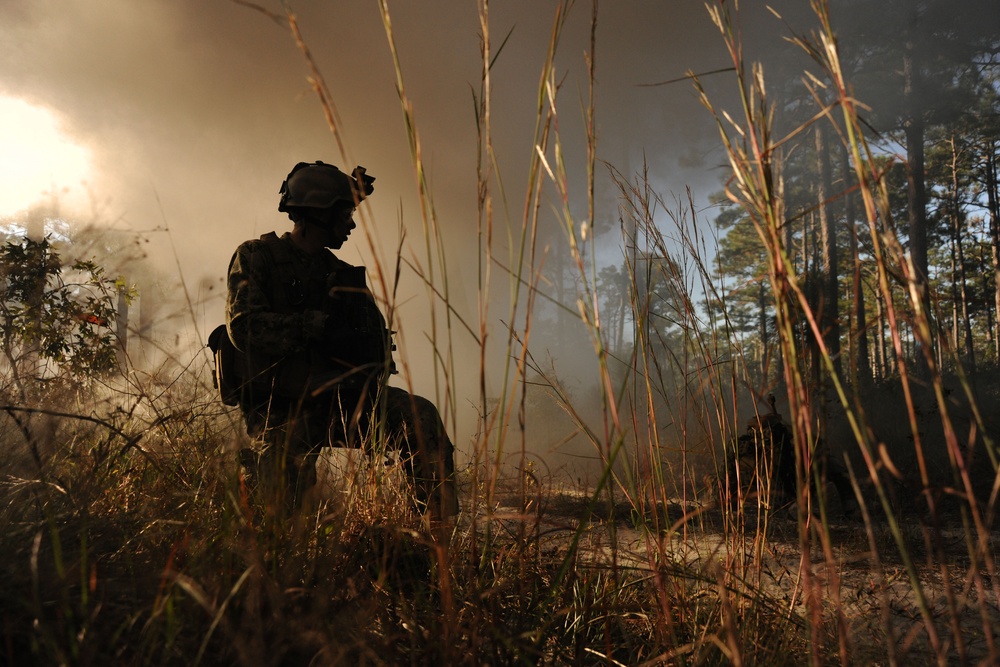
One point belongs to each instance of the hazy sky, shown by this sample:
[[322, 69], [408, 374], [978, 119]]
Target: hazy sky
[[194, 110], [187, 114]]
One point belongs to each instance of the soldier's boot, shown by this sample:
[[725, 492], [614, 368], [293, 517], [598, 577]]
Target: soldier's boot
[[841, 481], [302, 496], [443, 504], [442, 509], [247, 459], [249, 468]]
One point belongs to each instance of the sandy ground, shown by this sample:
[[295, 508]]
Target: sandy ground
[[859, 575], [871, 588]]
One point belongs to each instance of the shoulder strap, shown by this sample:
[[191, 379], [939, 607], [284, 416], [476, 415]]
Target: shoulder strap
[[281, 253], [280, 256]]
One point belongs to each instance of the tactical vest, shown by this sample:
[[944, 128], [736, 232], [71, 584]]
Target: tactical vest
[[355, 353]]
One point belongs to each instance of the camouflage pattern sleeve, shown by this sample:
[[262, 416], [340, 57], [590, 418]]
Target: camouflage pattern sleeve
[[254, 322]]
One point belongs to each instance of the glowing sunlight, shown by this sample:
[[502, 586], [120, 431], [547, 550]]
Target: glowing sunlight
[[36, 158]]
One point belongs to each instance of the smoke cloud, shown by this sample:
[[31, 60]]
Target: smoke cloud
[[195, 110]]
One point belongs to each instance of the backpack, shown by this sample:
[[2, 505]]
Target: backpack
[[231, 368]]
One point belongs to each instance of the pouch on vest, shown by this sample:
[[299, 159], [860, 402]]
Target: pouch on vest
[[225, 378]]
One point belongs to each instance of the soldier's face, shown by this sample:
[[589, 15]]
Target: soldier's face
[[339, 223]]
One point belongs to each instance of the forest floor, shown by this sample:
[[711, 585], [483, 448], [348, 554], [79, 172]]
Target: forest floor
[[863, 580]]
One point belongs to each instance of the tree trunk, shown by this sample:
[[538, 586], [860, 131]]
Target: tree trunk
[[762, 310], [959, 223], [830, 308], [861, 370], [121, 328], [883, 361], [954, 281], [861, 361], [916, 192], [624, 290], [994, 207]]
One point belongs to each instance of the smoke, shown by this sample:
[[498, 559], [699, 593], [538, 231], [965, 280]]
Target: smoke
[[195, 110]]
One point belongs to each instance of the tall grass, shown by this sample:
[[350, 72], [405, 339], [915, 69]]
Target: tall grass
[[133, 540]]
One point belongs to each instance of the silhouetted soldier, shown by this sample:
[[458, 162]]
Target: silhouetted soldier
[[315, 354], [769, 445]]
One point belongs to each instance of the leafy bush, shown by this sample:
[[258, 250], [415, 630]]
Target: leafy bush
[[57, 320]]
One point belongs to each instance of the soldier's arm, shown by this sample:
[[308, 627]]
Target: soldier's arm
[[253, 321]]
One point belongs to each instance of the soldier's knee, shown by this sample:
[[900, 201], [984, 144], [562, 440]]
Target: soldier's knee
[[417, 412], [427, 412]]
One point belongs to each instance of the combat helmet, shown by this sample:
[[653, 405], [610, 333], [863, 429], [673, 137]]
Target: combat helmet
[[321, 185], [769, 421]]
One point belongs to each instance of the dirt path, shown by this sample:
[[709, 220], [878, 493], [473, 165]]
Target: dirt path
[[871, 590]]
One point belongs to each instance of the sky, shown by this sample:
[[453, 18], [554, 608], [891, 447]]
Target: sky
[[177, 120], [187, 114]]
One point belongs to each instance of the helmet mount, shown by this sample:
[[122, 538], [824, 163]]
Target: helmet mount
[[321, 185]]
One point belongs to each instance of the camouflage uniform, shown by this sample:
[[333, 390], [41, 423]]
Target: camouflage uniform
[[316, 355]]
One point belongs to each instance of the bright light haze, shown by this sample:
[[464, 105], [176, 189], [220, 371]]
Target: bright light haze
[[37, 159]]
